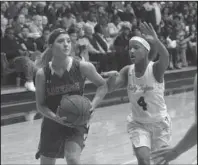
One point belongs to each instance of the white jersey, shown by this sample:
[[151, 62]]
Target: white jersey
[[146, 96]]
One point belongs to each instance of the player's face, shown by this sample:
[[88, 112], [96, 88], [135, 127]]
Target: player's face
[[62, 45], [137, 51]]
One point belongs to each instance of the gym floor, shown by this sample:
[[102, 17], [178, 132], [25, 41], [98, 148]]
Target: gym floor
[[107, 143]]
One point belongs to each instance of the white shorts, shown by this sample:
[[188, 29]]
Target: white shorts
[[151, 135]]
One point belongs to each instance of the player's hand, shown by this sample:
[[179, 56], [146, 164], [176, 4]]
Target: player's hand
[[164, 155], [63, 120], [148, 32], [110, 73]]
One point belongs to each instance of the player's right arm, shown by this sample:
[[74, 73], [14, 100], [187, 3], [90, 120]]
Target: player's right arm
[[40, 99], [116, 79]]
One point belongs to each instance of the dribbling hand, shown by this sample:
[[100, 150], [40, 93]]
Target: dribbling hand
[[164, 155]]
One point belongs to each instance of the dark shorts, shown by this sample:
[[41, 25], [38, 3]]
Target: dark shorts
[[53, 137]]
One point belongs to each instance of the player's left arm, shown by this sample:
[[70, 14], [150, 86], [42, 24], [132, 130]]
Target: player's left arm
[[89, 71], [161, 65]]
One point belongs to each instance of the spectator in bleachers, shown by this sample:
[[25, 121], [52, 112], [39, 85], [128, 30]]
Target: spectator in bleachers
[[36, 27], [68, 20], [19, 24], [4, 7], [176, 16], [128, 14], [100, 38], [121, 45], [9, 45], [170, 37], [114, 27], [50, 12], [193, 45], [40, 8], [27, 44], [79, 20], [45, 22], [73, 37], [4, 23], [103, 22], [92, 21], [24, 10], [41, 42], [17, 58], [182, 41], [13, 10]]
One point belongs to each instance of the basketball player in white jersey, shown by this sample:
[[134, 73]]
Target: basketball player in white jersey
[[149, 125], [190, 139]]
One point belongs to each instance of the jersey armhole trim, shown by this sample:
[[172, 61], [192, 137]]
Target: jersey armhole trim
[[154, 75]]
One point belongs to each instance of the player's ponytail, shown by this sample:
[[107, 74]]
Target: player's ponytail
[[45, 58]]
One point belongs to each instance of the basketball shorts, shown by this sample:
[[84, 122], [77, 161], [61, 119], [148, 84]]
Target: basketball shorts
[[54, 136], [151, 135]]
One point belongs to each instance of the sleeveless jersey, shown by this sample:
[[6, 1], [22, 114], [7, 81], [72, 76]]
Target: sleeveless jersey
[[71, 83], [146, 96]]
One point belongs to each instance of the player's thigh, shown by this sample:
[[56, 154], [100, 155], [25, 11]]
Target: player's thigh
[[162, 134], [141, 140], [47, 161], [138, 134]]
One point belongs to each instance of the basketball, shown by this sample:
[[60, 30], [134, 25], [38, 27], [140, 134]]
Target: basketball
[[76, 109]]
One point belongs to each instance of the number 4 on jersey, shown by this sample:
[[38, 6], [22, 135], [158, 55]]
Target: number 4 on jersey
[[142, 103]]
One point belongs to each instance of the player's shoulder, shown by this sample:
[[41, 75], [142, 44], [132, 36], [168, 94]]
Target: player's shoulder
[[124, 71], [86, 65]]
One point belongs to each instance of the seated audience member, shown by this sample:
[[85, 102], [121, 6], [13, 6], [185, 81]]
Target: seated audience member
[[17, 58], [36, 27], [193, 45], [68, 20], [45, 22], [170, 37], [4, 23], [41, 42], [73, 37], [114, 26], [19, 24], [108, 57], [182, 41], [27, 44], [92, 21], [121, 45]]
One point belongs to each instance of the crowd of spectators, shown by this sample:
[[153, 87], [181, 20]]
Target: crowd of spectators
[[99, 32]]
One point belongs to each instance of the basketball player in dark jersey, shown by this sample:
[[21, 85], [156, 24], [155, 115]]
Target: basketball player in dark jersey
[[61, 74], [187, 142]]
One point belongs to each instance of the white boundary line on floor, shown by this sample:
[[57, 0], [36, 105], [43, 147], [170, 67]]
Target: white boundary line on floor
[[130, 162]]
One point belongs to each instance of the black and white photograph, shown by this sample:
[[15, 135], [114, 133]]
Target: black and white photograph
[[98, 82]]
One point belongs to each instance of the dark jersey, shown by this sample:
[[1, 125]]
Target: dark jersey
[[71, 83]]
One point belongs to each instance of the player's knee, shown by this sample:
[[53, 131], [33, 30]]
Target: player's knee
[[46, 160], [72, 159]]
